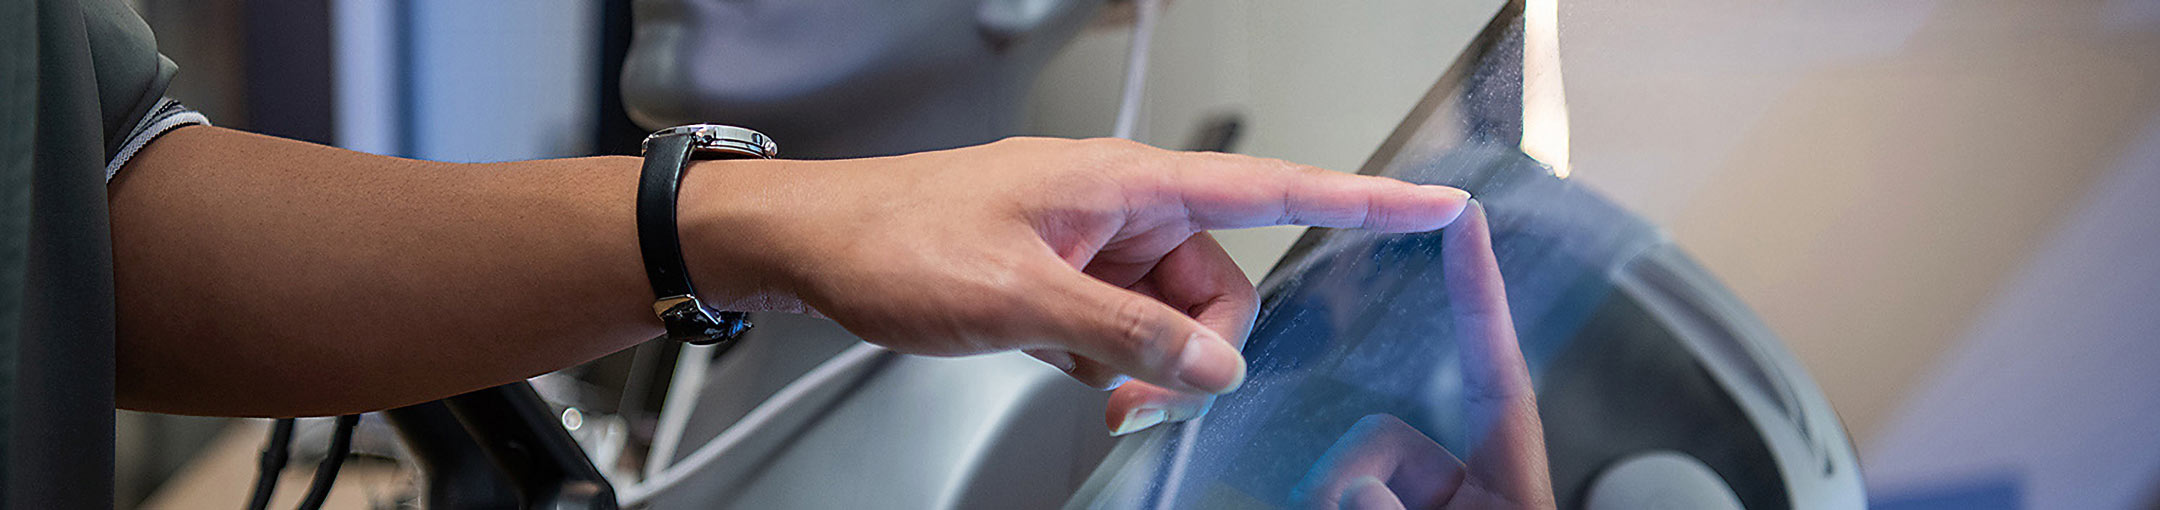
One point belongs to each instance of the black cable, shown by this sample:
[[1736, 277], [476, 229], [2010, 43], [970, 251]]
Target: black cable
[[326, 473], [275, 451]]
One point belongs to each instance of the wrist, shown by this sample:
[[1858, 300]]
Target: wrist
[[728, 220]]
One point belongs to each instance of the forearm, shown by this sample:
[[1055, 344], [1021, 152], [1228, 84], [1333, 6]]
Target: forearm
[[260, 276]]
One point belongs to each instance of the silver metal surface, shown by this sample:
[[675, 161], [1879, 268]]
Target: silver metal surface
[[1660, 479], [662, 305], [989, 432], [1814, 455], [721, 138]]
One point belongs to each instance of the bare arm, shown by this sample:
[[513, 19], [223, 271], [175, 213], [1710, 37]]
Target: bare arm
[[260, 276]]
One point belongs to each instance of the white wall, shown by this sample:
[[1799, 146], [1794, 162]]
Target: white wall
[[1319, 83], [2057, 385]]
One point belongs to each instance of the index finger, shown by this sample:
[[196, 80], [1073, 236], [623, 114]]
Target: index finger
[[1225, 191]]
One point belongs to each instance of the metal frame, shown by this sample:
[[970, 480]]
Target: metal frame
[[499, 447]]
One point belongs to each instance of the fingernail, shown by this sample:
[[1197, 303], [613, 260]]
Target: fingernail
[[1138, 420], [1454, 193], [1063, 362], [1462, 203], [1209, 364], [1116, 382]]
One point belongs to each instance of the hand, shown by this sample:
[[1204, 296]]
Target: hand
[[1383, 463], [1090, 255]]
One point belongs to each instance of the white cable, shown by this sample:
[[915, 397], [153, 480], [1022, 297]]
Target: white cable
[[682, 396], [831, 371], [1174, 478], [1136, 66], [608, 448]]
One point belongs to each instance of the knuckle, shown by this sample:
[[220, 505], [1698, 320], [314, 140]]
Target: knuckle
[[1292, 174], [1135, 332], [1293, 169], [1116, 154], [1112, 176], [1023, 141], [1495, 394], [997, 286], [1114, 144], [1101, 192], [1376, 217]]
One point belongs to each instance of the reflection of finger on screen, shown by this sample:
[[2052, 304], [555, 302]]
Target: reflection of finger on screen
[[1381, 447], [1492, 363], [1508, 456]]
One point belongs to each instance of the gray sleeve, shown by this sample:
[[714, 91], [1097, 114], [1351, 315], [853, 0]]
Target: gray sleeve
[[167, 115]]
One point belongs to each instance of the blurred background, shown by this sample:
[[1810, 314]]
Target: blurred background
[[1944, 207]]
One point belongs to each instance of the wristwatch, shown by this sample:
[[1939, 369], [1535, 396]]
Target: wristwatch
[[668, 153]]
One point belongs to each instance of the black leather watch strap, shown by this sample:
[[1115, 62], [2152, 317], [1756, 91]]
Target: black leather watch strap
[[687, 319], [658, 185]]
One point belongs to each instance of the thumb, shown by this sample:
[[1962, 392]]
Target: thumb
[[1136, 335]]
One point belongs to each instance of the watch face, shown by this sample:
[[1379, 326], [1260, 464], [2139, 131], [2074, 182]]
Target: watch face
[[721, 139]]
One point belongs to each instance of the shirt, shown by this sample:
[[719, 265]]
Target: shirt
[[76, 78]]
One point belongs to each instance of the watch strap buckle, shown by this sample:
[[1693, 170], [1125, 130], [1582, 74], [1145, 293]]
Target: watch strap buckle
[[689, 321]]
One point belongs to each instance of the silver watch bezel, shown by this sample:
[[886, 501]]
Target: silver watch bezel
[[719, 138]]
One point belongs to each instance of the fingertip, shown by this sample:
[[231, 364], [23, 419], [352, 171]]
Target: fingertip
[[1449, 193], [1470, 227], [1085, 371], [1452, 202], [1060, 360], [1181, 405], [1115, 382], [1145, 406], [1417, 208], [1137, 420]]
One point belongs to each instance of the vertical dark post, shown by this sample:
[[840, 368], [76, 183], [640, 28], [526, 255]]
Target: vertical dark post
[[457, 473], [288, 63], [520, 433], [614, 133], [407, 66]]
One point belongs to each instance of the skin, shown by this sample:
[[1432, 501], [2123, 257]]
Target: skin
[[1382, 463], [258, 276]]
